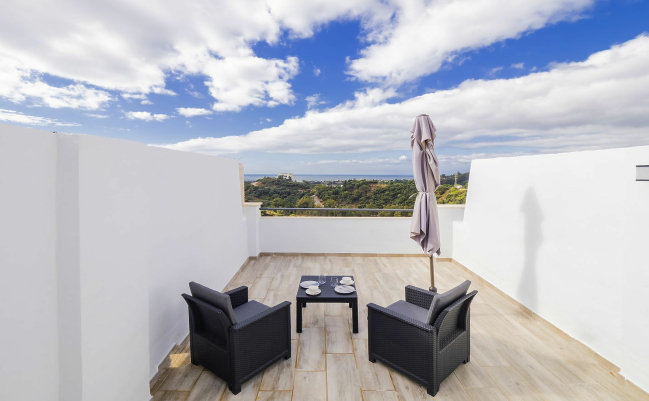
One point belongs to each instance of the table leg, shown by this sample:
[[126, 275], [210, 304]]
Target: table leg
[[298, 317], [355, 316]]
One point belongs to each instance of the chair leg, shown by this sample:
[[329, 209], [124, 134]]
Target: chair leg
[[235, 388], [372, 359], [432, 390]]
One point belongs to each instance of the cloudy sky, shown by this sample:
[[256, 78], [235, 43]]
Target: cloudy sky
[[329, 86]]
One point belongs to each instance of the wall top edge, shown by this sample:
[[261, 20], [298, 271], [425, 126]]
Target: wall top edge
[[252, 204]]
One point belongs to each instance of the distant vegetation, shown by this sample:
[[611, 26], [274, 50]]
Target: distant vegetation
[[364, 194]]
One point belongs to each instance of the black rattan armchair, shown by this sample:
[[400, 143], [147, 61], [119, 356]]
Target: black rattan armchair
[[426, 353], [236, 353]]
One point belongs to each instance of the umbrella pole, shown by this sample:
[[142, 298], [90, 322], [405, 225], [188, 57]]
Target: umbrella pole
[[432, 275]]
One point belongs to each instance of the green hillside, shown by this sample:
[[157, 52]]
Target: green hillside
[[366, 194]]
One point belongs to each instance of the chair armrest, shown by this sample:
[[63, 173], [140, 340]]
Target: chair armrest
[[398, 318], [264, 317], [455, 316], [418, 296], [238, 296]]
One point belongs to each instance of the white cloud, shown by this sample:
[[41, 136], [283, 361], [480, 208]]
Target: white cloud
[[136, 96], [314, 101], [375, 161], [146, 102], [16, 117], [127, 47], [601, 102], [20, 84], [145, 116], [236, 82], [492, 72], [192, 112], [518, 66], [188, 124], [93, 115], [316, 71], [424, 35], [268, 120]]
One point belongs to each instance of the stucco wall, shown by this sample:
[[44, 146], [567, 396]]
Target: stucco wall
[[566, 235], [387, 235], [99, 237], [28, 295]]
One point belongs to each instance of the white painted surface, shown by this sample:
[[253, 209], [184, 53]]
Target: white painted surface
[[566, 235], [252, 215], [28, 296], [351, 234], [98, 239]]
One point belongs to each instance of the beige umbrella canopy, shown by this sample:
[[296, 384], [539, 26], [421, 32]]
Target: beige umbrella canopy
[[425, 225]]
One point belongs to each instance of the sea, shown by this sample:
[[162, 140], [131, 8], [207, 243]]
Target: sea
[[332, 177]]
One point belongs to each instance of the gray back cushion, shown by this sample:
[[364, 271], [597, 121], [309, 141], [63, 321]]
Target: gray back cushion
[[443, 301], [213, 298]]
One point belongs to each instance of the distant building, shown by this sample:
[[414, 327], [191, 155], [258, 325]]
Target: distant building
[[289, 176]]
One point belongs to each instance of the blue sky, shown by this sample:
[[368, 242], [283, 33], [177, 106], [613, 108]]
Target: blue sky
[[334, 88]]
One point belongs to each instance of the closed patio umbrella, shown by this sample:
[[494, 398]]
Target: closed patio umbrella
[[425, 225]]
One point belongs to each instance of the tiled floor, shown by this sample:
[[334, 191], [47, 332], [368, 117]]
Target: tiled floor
[[514, 355]]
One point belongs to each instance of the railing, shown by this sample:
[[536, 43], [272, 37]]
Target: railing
[[315, 211]]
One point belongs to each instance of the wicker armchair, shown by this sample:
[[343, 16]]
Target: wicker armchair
[[426, 353], [238, 352]]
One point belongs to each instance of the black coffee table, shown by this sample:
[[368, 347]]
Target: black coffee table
[[328, 295]]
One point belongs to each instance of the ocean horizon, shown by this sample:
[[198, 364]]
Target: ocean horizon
[[333, 177]]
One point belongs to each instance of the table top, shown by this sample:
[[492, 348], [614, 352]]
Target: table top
[[328, 292]]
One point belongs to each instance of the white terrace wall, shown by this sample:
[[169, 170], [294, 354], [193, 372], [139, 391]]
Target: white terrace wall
[[386, 235], [566, 236], [28, 296], [98, 239]]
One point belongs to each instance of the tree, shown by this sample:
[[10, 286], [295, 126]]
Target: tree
[[306, 201], [277, 202]]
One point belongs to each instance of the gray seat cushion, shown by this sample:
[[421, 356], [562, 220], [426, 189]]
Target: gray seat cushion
[[443, 301], [410, 310], [214, 298], [248, 310]]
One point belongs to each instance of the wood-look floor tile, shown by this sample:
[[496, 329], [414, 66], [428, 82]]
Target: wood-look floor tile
[[259, 288], [374, 376], [310, 386], [451, 390], [170, 396], [594, 392], [313, 315], [311, 351], [338, 335], [343, 383], [279, 376], [182, 374], [207, 388], [380, 396], [486, 394], [471, 375], [483, 352], [274, 396], [408, 389], [248, 392], [514, 353], [537, 376]]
